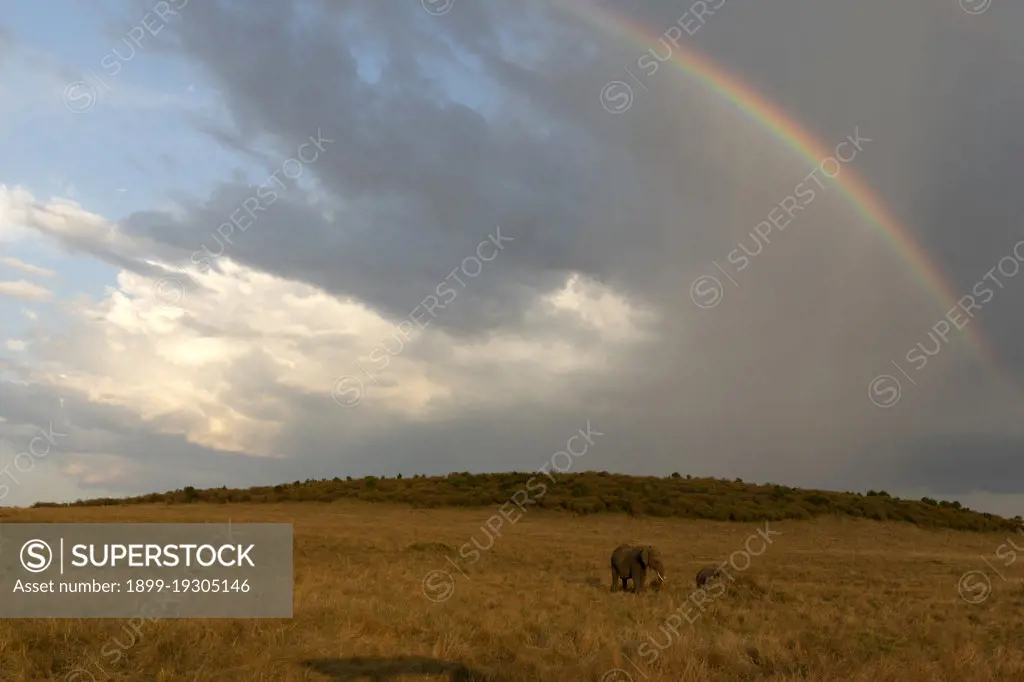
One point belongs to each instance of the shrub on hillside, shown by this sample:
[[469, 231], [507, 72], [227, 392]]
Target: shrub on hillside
[[597, 492]]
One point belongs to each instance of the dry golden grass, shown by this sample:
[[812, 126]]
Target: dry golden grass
[[830, 599]]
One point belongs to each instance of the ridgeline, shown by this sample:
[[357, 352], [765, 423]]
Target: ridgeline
[[595, 493]]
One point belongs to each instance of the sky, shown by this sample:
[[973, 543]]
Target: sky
[[452, 234]]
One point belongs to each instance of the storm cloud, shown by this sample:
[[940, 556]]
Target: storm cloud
[[443, 131]]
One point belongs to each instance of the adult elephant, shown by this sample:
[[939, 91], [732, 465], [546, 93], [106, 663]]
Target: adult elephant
[[633, 563]]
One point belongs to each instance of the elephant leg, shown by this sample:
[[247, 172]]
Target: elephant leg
[[625, 584], [615, 580], [639, 582]]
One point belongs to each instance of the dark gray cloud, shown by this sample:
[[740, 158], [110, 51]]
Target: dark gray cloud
[[490, 116]]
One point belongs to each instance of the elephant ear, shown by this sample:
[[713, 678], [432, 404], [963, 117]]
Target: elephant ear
[[645, 556]]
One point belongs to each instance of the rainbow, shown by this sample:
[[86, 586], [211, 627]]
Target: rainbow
[[788, 130]]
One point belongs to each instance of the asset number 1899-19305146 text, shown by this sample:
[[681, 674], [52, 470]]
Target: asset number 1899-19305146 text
[[187, 585]]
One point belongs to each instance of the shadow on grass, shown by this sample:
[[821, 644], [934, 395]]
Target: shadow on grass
[[383, 669]]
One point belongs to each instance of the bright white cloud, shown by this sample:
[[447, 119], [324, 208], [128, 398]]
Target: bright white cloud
[[13, 216], [66, 218], [25, 290], [72, 228], [12, 262], [172, 365], [128, 345]]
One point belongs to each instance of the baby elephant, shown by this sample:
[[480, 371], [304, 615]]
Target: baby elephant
[[633, 563], [707, 573]]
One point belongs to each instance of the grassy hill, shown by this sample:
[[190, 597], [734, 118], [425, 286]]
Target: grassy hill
[[595, 493]]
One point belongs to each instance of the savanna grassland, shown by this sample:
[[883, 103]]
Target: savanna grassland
[[830, 598]]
